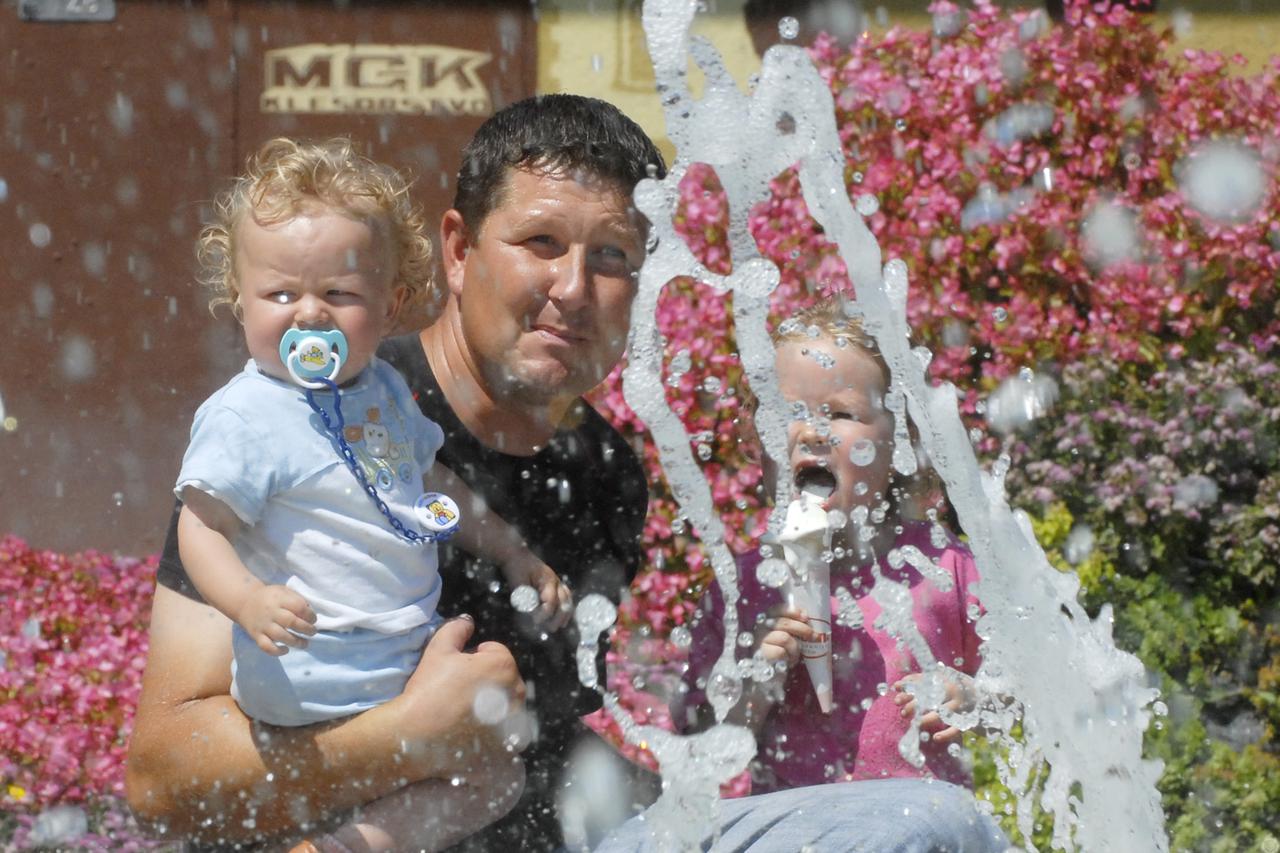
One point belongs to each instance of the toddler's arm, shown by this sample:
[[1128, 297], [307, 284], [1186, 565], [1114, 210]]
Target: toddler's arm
[[273, 615], [483, 533]]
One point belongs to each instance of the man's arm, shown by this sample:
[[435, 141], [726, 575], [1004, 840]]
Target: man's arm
[[482, 533], [198, 767]]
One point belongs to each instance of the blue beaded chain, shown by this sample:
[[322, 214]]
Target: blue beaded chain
[[349, 455]]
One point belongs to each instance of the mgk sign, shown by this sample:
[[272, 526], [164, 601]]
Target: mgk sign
[[421, 79]]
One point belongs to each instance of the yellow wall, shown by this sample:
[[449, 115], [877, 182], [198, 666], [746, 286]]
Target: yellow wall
[[596, 47]]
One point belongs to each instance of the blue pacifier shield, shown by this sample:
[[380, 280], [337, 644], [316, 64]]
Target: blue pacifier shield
[[312, 354], [437, 514]]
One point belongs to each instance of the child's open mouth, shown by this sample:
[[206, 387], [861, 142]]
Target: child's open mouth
[[816, 481]]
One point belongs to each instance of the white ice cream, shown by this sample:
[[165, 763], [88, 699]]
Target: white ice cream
[[805, 535]]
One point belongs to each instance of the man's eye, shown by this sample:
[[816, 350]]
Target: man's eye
[[612, 258]]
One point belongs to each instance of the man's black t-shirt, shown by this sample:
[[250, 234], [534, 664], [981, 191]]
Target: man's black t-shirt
[[580, 504]]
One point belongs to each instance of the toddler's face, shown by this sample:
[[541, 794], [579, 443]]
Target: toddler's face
[[846, 441], [322, 269]]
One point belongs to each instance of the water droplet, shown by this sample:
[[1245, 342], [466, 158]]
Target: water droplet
[[867, 204], [1223, 180], [524, 599], [681, 637], [724, 688], [863, 452], [77, 359], [1000, 314], [711, 385], [594, 615], [788, 28], [1079, 544], [704, 452], [490, 704], [117, 498], [1195, 491], [597, 63], [4, 191], [1020, 400], [58, 826], [40, 235], [121, 114], [824, 360], [773, 572], [858, 177], [1183, 23], [1110, 234], [94, 257]]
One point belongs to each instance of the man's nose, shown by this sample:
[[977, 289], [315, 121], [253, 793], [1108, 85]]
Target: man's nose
[[569, 280]]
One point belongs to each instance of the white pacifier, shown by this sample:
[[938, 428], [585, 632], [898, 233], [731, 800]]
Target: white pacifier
[[313, 354]]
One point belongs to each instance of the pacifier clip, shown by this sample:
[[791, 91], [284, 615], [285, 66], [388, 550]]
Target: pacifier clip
[[314, 358]]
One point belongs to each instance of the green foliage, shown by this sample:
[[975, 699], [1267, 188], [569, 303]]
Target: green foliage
[[1171, 478]]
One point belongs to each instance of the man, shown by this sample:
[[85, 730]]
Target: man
[[539, 254]]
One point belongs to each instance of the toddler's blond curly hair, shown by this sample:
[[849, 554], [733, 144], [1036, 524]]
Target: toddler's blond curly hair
[[282, 177]]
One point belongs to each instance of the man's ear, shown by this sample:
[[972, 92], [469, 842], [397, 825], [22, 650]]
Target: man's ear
[[455, 240]]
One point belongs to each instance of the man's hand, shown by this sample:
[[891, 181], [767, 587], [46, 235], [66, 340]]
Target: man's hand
[[274, 616], [437, 708], [959, 698]]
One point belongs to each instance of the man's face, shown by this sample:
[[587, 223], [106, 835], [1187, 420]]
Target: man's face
[[545, 286]]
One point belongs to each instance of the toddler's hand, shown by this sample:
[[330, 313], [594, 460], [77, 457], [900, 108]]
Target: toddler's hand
[[555, 600], [274, 616], [781, 633], [959, 698]]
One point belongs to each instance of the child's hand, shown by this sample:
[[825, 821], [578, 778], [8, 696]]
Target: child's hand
[[959, 698], [274, 616], [555, 600], [784, 630]]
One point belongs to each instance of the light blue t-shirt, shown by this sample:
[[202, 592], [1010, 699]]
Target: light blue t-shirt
[[257, 446]]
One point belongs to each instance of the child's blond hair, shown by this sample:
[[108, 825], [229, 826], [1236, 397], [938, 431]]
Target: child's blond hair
[[282, 177], [828, 319]]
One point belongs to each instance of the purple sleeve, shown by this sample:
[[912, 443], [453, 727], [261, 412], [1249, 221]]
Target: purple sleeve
[[707, 628], [708, 632], [960, 562]]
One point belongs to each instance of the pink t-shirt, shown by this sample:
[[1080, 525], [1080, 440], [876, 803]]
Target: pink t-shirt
[[800, 745]]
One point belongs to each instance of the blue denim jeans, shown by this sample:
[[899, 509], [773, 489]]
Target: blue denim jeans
[[876, 816]]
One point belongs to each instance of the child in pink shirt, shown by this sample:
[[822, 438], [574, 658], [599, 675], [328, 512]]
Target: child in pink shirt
[[836, 382]]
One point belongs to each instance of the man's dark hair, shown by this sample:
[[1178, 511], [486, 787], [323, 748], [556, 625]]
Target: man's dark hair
[[569, 133]]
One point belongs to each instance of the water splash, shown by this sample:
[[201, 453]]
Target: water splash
[[1084, 741]]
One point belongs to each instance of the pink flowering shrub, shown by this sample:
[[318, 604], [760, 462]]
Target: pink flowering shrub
[[1051, 189], [72, 648]]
